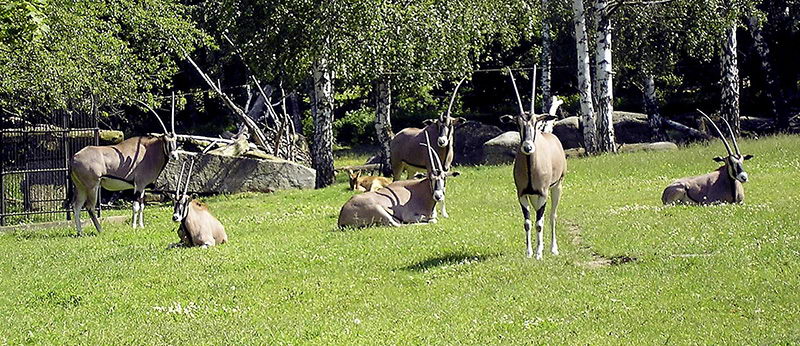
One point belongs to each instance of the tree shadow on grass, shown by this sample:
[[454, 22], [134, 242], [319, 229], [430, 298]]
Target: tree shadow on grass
[[446, 260]]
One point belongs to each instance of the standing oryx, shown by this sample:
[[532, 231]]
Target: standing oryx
[[131, 164], [721, 186], [198, 227], [402, 202], [407, 153], [539, 169]]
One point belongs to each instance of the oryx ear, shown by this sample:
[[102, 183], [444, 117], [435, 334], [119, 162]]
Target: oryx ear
[[719, 159], [427, 122], [747, 157], [194, 196], [547, 117], [453, 174], [419, 175], [507, 119], [459, 121]]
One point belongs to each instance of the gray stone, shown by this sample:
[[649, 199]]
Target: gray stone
[[568, 132], [632, 130], [469, 139], [215, 174], [501, 149]]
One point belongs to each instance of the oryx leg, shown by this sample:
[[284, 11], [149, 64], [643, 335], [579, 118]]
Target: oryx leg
[[540, 202], [444, 211], [91, 202], [555, 196], [138, 207], [141, 209], [524, 204], [397, 170], [77, 204]]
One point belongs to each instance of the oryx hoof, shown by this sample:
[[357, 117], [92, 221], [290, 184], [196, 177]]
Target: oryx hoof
[[538, 255], [432, 221], [554, 251]]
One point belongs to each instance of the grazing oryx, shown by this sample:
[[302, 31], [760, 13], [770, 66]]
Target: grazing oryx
[[721, 186], [407, 153], [368, 183], [539, 169], [402, 202], [198, 227], [131, 164]]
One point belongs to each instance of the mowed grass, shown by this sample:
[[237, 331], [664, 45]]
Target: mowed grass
[[698, 275]]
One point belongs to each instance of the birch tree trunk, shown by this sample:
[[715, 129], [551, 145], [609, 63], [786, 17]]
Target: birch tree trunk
[[584, 75], [383, 123], [604, 79], [546, 62], [651, 108], [322, 149], [773, 90], [730, 79]]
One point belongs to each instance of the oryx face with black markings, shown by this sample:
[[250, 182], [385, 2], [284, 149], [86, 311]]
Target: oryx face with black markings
[[528, 125], [735, 165]]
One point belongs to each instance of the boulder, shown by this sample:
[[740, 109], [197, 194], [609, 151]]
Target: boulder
[[218, 174], [501, 149], [469, 138], [568, 132], [632, 130]]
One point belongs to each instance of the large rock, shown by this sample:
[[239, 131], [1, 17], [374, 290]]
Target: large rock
[[657, 146], [501, 149], [216, 174], [568, 131], [469, 140]]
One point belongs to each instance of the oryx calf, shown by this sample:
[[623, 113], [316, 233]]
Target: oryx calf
[[402, 202], [539, 169], [721, 186], [197, 226], [368, 183], [407, 153], [131, 164]]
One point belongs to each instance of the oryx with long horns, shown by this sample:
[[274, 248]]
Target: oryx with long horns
[[539, 169], [407, 153], [197, 226], [721, 186], [402, 202], [131, 164]]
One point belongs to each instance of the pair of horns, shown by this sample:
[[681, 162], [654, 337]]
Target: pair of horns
[[516, 91], [160, 122], [722, 136], [432, 154], [180, 177]]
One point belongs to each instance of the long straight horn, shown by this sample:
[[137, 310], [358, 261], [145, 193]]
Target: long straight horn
[[453, 98], [154, 113], [533, 89], [173, 113], [733, 137], [179, 178], [430, 150], [721, 136], [188, 176], [516, 91]]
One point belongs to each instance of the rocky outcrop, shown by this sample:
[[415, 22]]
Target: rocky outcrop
[[568, 132], [501, 149], [469, 140], [217, 174], [657, 146]]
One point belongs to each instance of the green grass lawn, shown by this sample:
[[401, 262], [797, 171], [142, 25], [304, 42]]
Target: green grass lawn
[[699, 275]]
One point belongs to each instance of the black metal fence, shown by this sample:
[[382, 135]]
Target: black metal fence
[[34, 165]]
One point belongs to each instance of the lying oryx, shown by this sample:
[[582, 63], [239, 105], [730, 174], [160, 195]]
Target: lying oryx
[[407, 153], [721, 186], [131, 164], [368, 183], [402, 202], [198, 227], [539, 169]]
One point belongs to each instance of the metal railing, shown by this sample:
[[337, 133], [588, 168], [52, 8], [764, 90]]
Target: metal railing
[[34, 165]]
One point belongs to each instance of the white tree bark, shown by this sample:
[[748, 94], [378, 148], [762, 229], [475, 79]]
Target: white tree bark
[[584, 78], [546, 62], [651, 108], [322, 148], [383, 123], [730, 79], [604, 79], [773, 90]]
